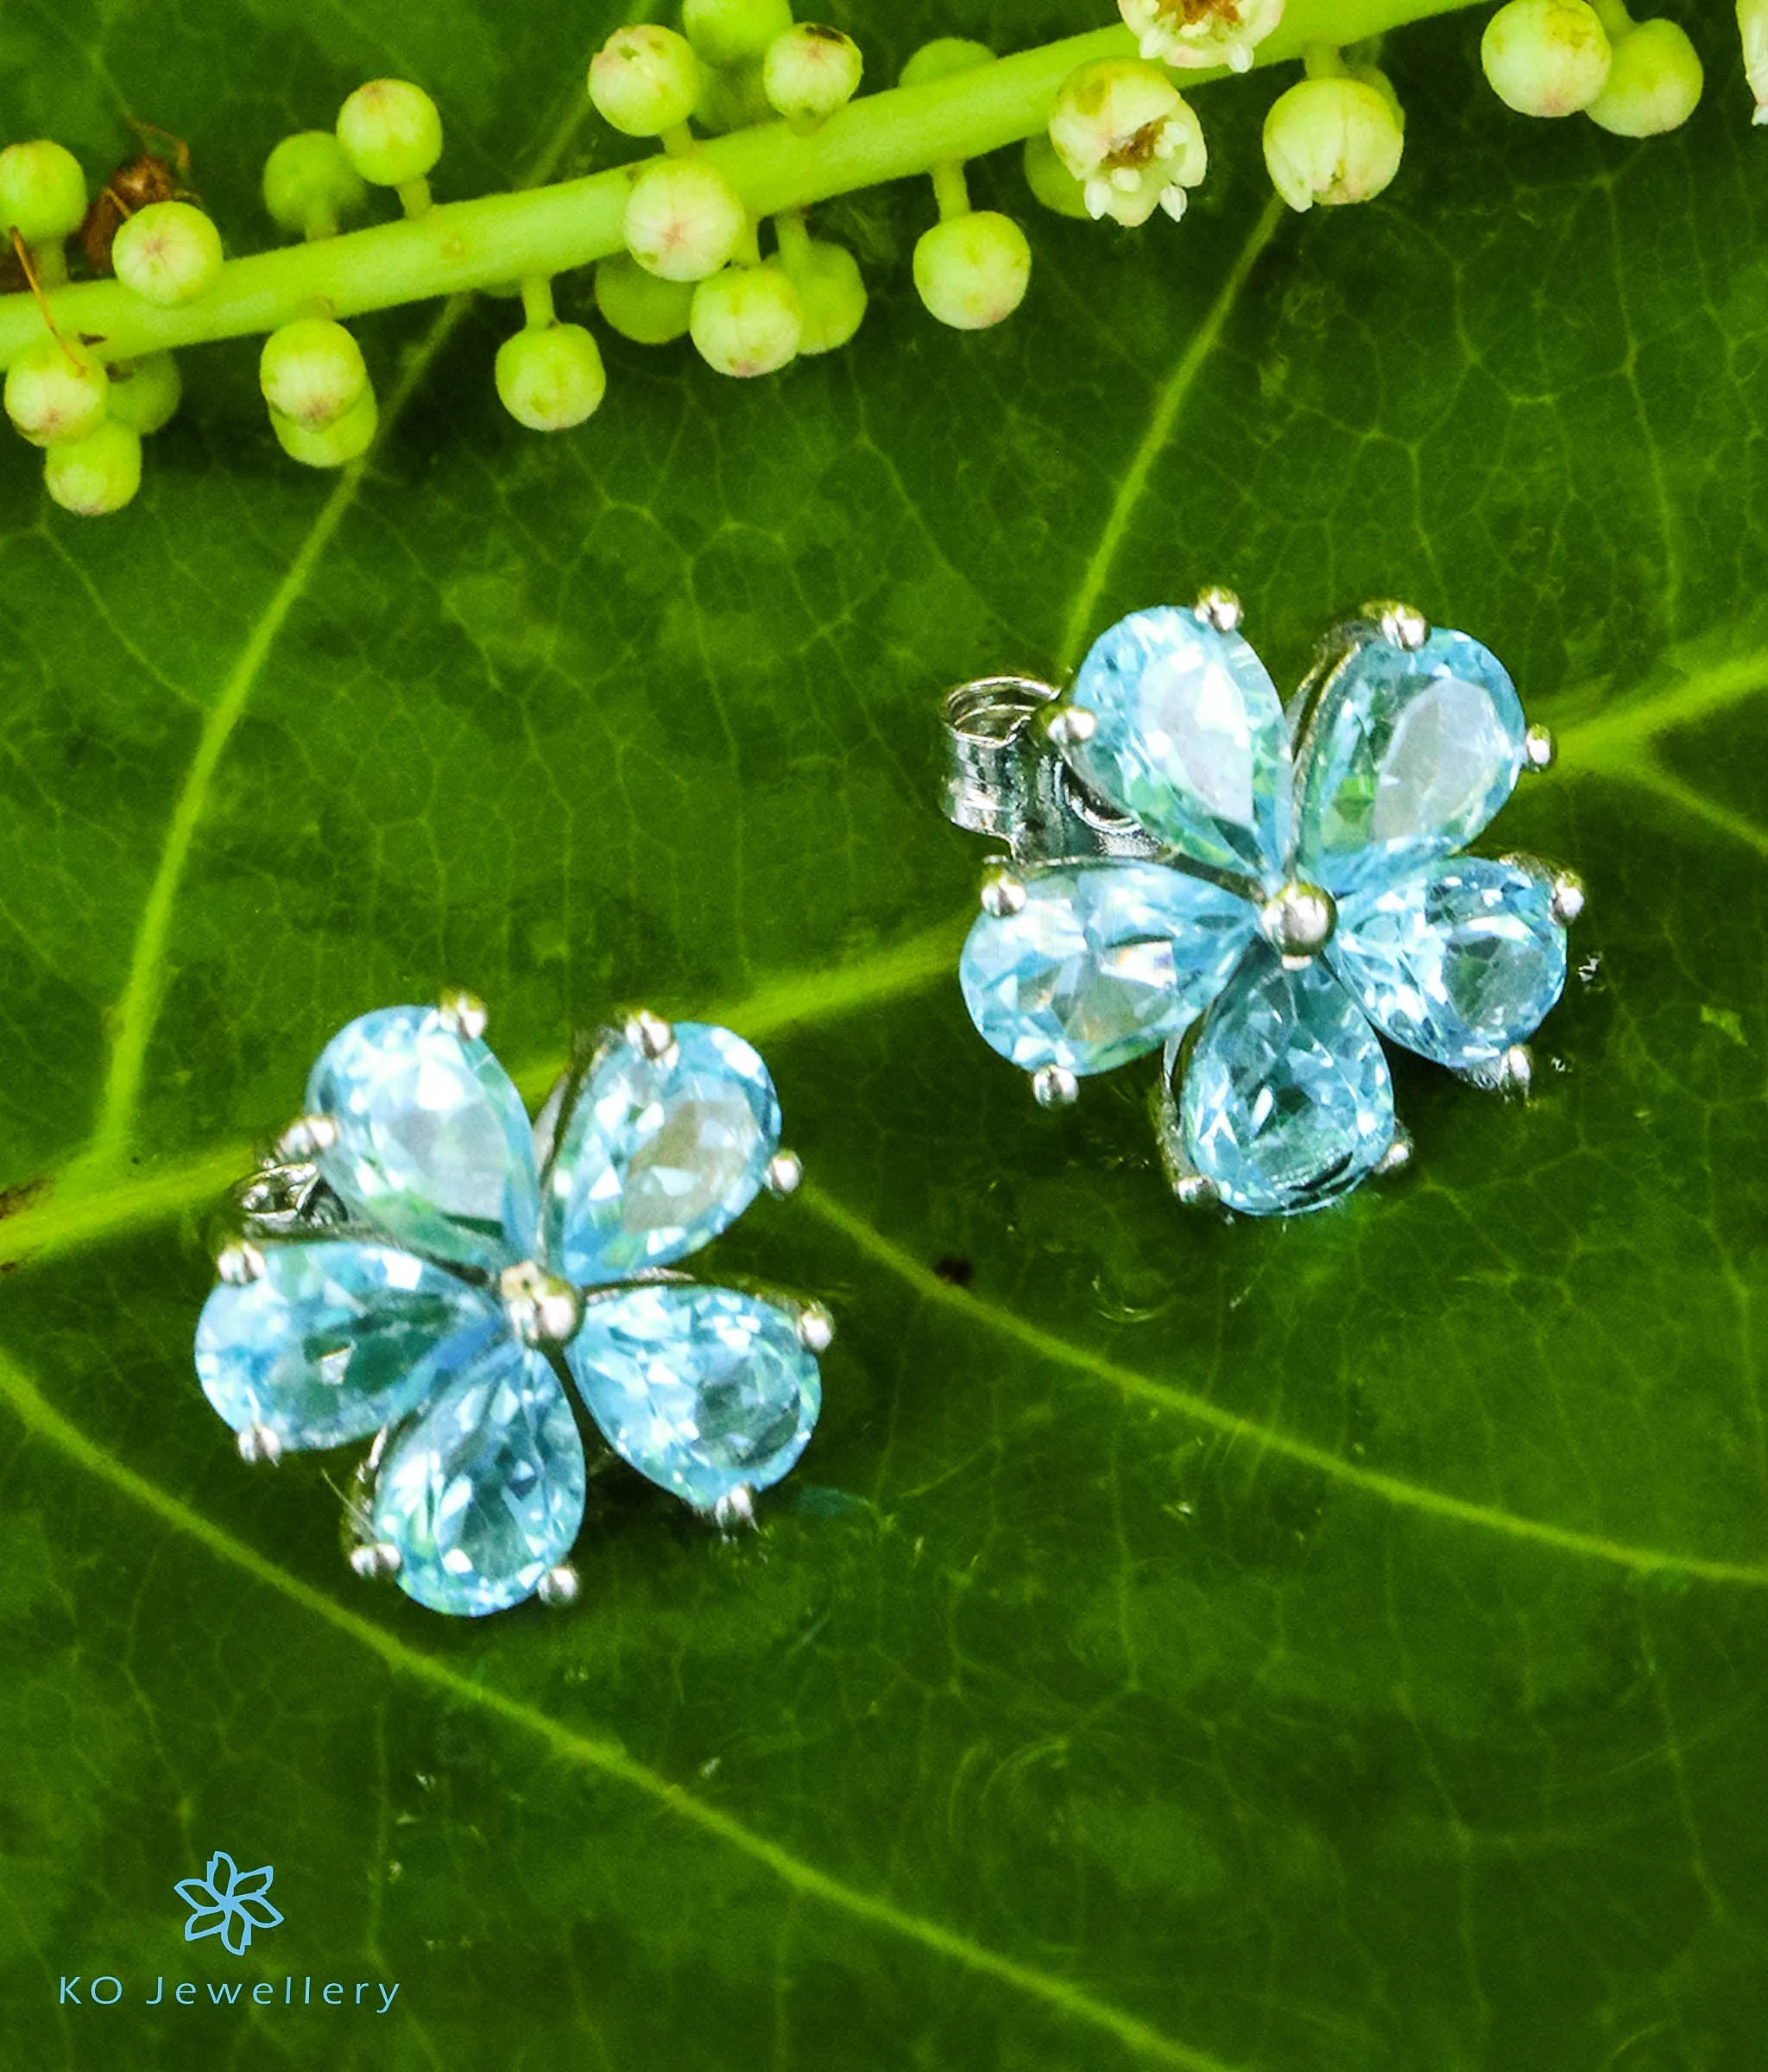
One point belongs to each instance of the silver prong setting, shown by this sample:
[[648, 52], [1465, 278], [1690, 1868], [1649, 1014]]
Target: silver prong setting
[[816, 1328], [735, 1512], [1055, 1086], [1003, 893], [1072, 726], [1567, 902], [785, 1174], [649, 1035], [305, 1138], [1540, 750], [1220, 608], [239, 1264], [1399, 1154], [560, 1586], [1516, 1072], [259, 1446], [375, 1560], [462, 1013], [1196, 1191], [1403, 627]]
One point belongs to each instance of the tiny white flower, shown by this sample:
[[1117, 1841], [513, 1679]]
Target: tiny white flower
[[1127, 134], [1200, 32]]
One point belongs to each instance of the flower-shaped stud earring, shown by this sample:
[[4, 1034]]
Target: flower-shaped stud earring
[[1259, 892], [420, 1264]]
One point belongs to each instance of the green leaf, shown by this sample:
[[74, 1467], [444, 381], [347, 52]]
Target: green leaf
[[1335, 1645]]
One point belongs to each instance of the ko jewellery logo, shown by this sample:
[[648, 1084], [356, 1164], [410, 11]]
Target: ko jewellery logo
[[230, 1903]]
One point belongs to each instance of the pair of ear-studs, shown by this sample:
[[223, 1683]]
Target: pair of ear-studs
[[1192, 869]]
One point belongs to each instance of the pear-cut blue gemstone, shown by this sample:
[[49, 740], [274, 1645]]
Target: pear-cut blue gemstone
[[1103, 963], [659, 1155], [702, 1389], [434, 1145], [1457, 963], [1407, 757], [483, 1491], [333, 1340], [1188, 737], [1287, 1104]]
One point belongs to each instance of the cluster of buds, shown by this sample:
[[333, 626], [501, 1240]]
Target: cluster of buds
[[1590, 57]]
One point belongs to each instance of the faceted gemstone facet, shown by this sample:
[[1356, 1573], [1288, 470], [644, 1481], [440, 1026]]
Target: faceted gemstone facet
[[702, 1389], [433, 1144], [1103, 963], [1287, 1104], [1409, 755], [334, 1339], [1188, 737], [1458, 961], [483, 1492], [659, 1155]]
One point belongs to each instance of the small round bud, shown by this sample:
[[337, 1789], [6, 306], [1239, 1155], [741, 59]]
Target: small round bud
[[810, 72], [945, 58], [54, 400], [145, 393], [684, 219], [97, 474], [733, 32], [1128, 135], [337, 444], [1332, 141], [1200, 32], [638, 305], [1051, 181], [731, 99], [1654, 82], [644, 80], [168, 253], [553, 379], [43, 192], [312, 372], [309, 184], [747, 319], [972, 271], [390, 131], [1752, 27], [831, 294], [1545, 57]]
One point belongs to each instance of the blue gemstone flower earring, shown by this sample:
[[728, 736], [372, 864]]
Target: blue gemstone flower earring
[[1258, 891], [419, 1263]]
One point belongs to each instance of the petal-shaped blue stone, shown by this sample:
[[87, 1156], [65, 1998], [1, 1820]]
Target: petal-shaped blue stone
[[1457, 962], [433, 1144], [1407, 757], [659, 1155], [1103, 963], [334, 1340], [1189, 738], [483, 1492], [1287, 1104], [700, 1389]]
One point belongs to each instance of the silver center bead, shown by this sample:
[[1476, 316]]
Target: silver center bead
[[1298, 922]]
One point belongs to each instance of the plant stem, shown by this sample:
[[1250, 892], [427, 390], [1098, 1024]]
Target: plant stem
[[452, 247]]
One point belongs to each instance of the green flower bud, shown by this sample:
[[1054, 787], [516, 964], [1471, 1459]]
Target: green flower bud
[[747, 319], [943, 59], [312, 372], [972, 271], [1051, 181], [1654, 82], [1200, 32], [733, 32], [1545, 57], [337, 444], [638, 305], [43, 192], [309, 184], [1128, 135], [97, 474], [831, 294], [168, 253], [645, 80], [684, 219], [553, 379], [54, 399], [731, 99], [391, 133], [1752, 27], [1332, 141], [145, 393], [810, 72]]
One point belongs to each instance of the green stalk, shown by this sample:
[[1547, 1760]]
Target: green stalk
[[453, 247]]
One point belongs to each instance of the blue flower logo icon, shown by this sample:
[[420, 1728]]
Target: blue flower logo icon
[[227, 1902]]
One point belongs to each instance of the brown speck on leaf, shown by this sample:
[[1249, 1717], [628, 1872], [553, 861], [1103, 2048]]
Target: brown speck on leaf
[[953, 1267]]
